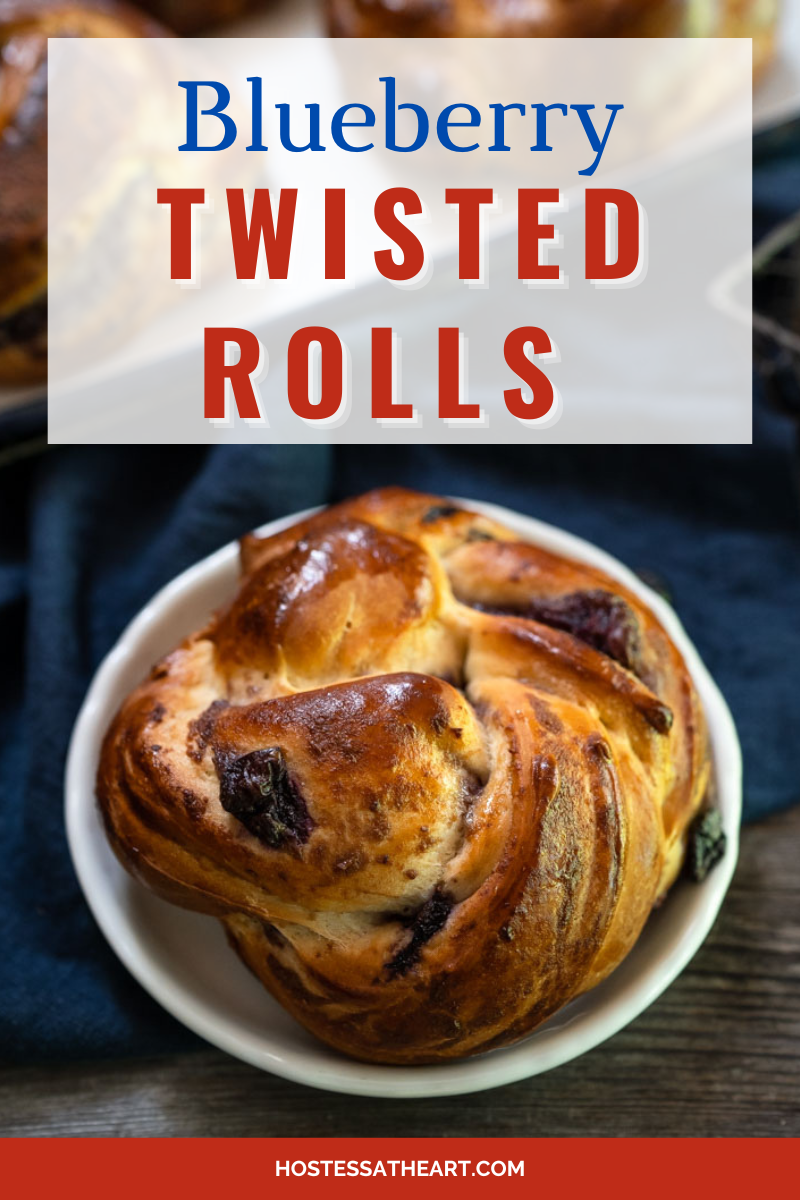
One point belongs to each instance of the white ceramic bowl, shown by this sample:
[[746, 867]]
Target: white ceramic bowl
[[183, 960]]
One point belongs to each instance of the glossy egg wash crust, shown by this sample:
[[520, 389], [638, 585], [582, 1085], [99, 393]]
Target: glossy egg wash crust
[[431, 778]]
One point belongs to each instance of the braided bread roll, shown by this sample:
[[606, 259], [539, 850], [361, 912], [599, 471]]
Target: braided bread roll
[[25, 26], [561, 18], [432, 779], [498, 18]]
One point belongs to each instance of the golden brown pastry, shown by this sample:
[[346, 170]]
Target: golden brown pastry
[[561, 18], [433, 779], [25, 26], [498, 18], [191, 16]]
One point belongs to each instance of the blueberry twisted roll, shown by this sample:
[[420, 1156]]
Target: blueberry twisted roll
[[433, 779]]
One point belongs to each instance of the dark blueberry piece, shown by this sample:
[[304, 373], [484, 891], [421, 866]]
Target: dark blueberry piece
[[428, 921], [438, 511], [598, 618], [201, 730], [707, 842], [257, 790]]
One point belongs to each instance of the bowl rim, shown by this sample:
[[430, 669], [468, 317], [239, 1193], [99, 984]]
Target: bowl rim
[[326, 1071]]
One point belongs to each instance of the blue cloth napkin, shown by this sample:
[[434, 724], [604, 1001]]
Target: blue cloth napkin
[[88, 534]]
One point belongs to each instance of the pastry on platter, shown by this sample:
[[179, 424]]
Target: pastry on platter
[[25, 26], [757, 19], [498, 18], [432, 778]]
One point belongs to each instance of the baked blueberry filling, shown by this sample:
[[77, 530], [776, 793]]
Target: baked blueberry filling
[[598, 618], [706, 844], [256, 789], [428, 920], [438, 512]]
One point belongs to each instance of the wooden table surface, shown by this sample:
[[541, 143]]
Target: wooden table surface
[[717, 1055]]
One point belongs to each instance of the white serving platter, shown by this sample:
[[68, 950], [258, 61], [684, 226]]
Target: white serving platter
[[185, 963]]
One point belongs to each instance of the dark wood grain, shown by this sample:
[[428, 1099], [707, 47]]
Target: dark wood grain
[[717, 1055]]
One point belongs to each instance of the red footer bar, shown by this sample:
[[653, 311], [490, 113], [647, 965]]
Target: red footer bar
[[551, 1168]]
